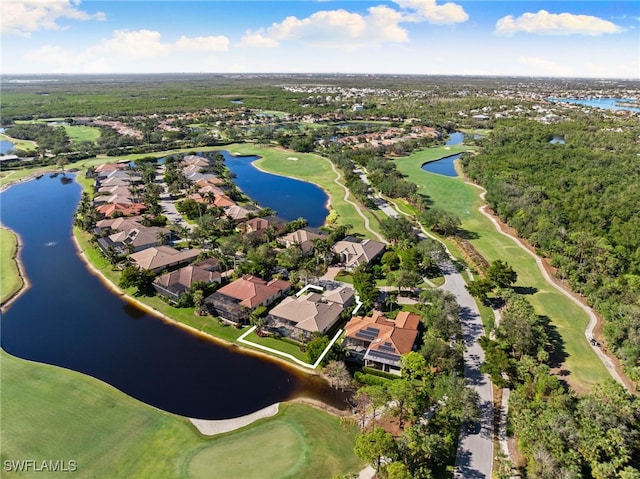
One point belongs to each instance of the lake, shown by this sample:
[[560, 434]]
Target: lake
[[606, 103], [69, 318], [445, 166], [290, 198]]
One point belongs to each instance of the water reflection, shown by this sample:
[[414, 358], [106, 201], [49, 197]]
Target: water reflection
[[69, 318]]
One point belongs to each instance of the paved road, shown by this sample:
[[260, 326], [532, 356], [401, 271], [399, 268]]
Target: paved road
[[475, 450], [474, 458]]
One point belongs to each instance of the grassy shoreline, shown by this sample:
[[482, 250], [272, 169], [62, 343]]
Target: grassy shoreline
[[12, 281], [51, 413], [314, 169]]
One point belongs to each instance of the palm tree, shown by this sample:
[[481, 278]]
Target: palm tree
[[321, 250], [162, 237]]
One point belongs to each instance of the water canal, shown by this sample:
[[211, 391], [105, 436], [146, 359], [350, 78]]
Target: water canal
[[69, 318]]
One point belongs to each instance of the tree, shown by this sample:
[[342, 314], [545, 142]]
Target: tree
[[315, 347], [521, 328], [398, 228], [390, 260], [405, 279], [132, 276], [365, 285], [501, 274], [337, 373], [397, 470], [198, 300], [480, 288], [375, 446], [404, 394], [414, 366]]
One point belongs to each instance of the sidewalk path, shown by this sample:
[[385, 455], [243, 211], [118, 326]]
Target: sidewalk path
[[355, 205]]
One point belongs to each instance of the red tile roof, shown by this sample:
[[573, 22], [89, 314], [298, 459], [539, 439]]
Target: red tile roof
[[399, 335]]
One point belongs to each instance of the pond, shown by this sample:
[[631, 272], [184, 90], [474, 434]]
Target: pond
[[290, 198], [69, 318], [6, 147], [445, 166]]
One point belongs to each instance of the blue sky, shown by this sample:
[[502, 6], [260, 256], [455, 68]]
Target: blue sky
[[595, 39]]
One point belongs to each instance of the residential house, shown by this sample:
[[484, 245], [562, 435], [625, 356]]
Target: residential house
[[259, 226], [303, 237], [237, 213], [379, 341], [235, 301], [353, 252], [304, 316], [174, 284], [111, 210], [132, 240], [158, 258]]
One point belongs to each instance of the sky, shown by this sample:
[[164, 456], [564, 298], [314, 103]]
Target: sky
[[590, 39]]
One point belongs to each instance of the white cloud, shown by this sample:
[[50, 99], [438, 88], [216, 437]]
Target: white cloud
[[539, 66], [132, 44], [546, 23], [349, 30], [258, 39], [428, 10], [123, 51], [204, 44], [333, 28], [22, 17]]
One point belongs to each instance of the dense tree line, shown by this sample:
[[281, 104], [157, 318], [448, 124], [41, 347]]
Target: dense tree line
[[577, 203], [52, 139]]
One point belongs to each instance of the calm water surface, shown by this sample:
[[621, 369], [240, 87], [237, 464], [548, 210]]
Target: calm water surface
[[445, 166], [6, 147], [69, 318], [606, 103], [290, 198]]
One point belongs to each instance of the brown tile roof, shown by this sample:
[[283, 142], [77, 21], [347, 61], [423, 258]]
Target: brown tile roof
[[223, 201], [309, 312], [355, 254], [160, 257], [251, 291], [182, 279], [303, 237], [395, 337], [127, 209]]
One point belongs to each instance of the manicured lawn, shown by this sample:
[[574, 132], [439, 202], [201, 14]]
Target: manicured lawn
[[312, 168], [462, 199], [50, 413], [298, 442], [10, 280], [278, 345], [79, 134]]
